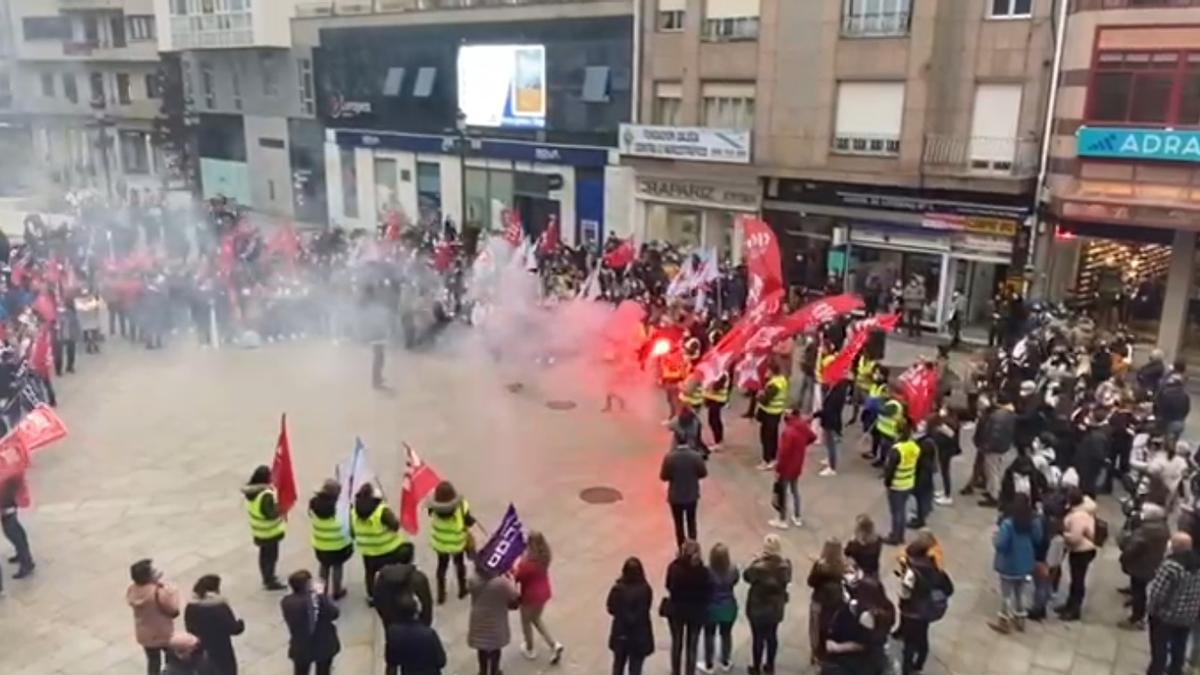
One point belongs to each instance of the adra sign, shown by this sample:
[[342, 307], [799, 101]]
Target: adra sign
[[1153, 144]]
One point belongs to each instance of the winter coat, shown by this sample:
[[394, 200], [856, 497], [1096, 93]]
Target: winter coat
[[1079, 527], [1172, 403], [212, 621], [1015, 550], [312, 634], [926, 465], [396, 582], [1150, 375], [1021, 473], [768, 578], [415, 649], [832, 404], [1143, 551], [682, 470], [914, 297], [155, 607], [632, 631], [1091, 455], [689, 591], [1000, 432], [487, 628], [1173, 596], [793, 446]]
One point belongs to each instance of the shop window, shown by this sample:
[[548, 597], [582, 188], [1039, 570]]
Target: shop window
[[869, 118], [595, 84], [135, 153], [429, 191], [387, 177], [1158, 88], [677, 225], [668, 103], [728, 105], [670, 15]]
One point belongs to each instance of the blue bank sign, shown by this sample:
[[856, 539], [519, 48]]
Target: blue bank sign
[[1153, 144]]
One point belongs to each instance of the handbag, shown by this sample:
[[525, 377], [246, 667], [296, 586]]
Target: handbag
[[664, 607]]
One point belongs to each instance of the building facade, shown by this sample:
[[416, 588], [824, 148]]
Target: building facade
[[83, 88], [455, 111], [1123, 178], [250, 98], [881, 139]]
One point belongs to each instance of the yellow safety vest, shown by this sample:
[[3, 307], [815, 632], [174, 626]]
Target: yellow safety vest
[[718, 393], [877, 390], [448, 534], [866, 370], [261, 526], [778, 401], [905, 477], [691, 396], [371, 536], [327, 533], [888, 425], [821, 364]]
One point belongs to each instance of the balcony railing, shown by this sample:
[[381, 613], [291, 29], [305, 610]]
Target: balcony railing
[[320, 8], [875, 24], [1091, 5], [230, 29], [985, 156], [866, 144]]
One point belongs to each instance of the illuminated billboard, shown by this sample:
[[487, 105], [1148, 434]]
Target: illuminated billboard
[[503, 85]]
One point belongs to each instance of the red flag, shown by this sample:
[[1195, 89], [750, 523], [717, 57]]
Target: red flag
[[750, 372], [621, 256], [14, 456], [917, 387], [44, 306], [41, 427], [718, 359], [819, 312], [761, 252], [551, 237], [285, 243], [419, 480], [512, 227], [41, 359], [283, 478], [836, 369]]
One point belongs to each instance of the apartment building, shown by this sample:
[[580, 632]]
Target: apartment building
[[881, 139], [83, 87], [250, 96], [1124, 170], [459, 110]]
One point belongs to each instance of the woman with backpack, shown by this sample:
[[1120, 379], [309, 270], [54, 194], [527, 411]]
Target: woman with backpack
[[1015, 543], [768, 576], [925, 591], [722, 609]]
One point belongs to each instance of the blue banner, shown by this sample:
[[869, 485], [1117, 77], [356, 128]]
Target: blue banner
[[506, 544], [1154, 144]]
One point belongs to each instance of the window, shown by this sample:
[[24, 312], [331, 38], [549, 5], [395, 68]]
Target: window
[[266, 66], [307, 98], [135, 154], [6, 97], [394, 82], [91, 30], [152, 88], [1014, 9], [668, 102], [179, 7], [208, 85], [235, 82], [875, 18], [727, 105], [124, 90], [993, 142], [96, 84], [45, 28], [868, 118], [70, 88], [671, 14], [424, 85], [1158, 88], [116, 28], [140, 27], [727, 20], [48, 85], [595, 84]]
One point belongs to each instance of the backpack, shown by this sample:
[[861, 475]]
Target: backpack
[[940, 590], [1100, 532]]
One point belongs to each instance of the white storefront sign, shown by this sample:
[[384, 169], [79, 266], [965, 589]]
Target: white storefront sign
[[699, 144], [697, 193]]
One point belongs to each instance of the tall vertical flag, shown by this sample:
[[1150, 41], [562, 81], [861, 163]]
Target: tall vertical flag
[[283, 477], [763, 262], [505, 545], [352, 473], [420, 479]]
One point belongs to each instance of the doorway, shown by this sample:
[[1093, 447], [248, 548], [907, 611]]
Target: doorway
[[978, 281]]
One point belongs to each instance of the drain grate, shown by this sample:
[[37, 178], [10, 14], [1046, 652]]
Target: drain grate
[[515, 387], [562, 404], [601, 495]]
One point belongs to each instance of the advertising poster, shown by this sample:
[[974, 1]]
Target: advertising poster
[[503, 85]]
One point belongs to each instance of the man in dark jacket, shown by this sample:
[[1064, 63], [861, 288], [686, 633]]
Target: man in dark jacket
[[1091, 455], [400, 585], [1150, 375], [310, 618], [413, 646], [1022, 477], [1030, 420], [1141, 554], [1173, 604], [996, 442], [927, 463], [13, 530], [682, 470], [1172, 406]]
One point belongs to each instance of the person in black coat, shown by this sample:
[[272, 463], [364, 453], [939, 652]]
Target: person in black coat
[[310, 616], [927, 467], [1091, 455], [211, 620], [399, 585], [689, 590], [413, 647], [631, 637]]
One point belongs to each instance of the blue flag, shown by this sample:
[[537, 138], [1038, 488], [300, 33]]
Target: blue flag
[[506, 544]]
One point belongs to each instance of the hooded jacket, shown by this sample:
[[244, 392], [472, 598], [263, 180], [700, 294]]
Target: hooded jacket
[[1079, 527], [155, 607], [397, 581], [793, 446], [1022, 471], [212, 621], [1173, 596], [1000, 431], [1172, 403]]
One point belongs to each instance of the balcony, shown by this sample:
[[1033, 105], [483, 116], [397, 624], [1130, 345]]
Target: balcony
[[208, 31], [323, 8], [875, 24], [866, 144], [1092, 5], [981, 156]]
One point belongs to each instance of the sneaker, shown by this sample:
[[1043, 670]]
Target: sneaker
[[771, 466], [529, 653], [778, 524], [797, 521], [558, 652], [827, 472], [824, 462], [943, 501], [700, 667], [764, 466], [727, 666]]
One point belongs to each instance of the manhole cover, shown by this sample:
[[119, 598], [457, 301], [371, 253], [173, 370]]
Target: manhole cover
[[600, 495], [515, 387], [560, 405]]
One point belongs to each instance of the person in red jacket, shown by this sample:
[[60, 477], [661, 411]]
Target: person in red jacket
[[793, 446]]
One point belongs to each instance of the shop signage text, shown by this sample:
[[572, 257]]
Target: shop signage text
[[478, 147], [699, 144], [1129, 214], [977, 224], [903, 200], [1161, 144], [340, 108], [706, 194]]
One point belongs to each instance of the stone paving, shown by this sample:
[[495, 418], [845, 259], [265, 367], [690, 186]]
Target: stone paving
[[161, 441]]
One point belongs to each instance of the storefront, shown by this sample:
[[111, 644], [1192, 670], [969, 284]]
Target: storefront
[[865, 238]]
